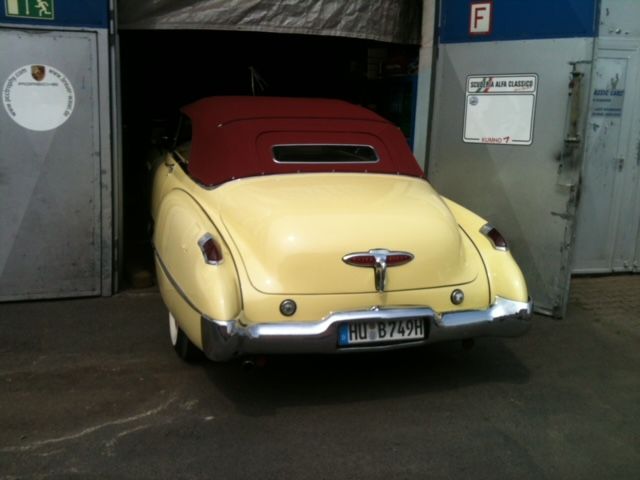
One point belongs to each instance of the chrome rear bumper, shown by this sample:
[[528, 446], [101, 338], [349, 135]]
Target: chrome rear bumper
[[223, 340]]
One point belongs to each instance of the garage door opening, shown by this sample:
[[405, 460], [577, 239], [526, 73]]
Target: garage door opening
[[163, 70]]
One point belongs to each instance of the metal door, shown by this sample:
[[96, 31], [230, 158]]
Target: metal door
[[50, 179], [607, 235], [511, 88]]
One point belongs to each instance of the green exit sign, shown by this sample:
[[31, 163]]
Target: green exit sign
[[40, 9]]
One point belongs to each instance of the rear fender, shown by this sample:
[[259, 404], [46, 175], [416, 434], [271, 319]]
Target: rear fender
[[504, 275], [189, 286]]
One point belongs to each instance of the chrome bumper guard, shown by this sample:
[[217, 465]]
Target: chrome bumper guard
[[223, 340]]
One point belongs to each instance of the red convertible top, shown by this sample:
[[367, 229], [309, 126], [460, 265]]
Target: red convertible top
[[234, 137]]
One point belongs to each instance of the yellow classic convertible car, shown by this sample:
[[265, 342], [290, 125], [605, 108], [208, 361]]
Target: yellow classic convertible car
[[287, 225]]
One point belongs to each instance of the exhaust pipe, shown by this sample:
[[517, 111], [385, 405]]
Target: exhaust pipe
[[250, 363]]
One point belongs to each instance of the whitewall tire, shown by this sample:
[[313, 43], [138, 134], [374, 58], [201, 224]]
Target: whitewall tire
[[173, 330], [181, 343]]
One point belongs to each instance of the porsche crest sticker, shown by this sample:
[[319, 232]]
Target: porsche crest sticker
[[38, 97]]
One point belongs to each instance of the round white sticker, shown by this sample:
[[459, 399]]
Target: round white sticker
[[38, 97]]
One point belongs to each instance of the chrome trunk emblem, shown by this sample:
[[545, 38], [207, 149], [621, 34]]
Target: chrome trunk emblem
[[378, 259]]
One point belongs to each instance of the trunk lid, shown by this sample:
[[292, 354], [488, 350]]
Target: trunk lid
[[292, 232]]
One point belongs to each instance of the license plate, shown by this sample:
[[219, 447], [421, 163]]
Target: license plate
[[381, 331]]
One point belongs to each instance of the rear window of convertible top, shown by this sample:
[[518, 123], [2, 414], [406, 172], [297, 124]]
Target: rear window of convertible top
[[325, 153]]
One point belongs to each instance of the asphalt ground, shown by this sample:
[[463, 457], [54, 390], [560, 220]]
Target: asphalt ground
[[92, 389]]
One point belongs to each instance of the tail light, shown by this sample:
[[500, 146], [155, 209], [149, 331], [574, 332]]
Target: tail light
[[396, 259], [495, 237], [360, 260], [371, 258], [210, 249]]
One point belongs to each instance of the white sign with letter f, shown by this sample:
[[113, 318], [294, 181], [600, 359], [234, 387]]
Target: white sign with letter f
[[480, 20]]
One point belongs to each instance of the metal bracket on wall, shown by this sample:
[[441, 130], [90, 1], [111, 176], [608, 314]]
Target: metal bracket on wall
[[570, 156]]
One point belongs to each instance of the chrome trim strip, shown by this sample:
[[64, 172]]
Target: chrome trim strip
[[179, 158], [177, 287], [380, 272]]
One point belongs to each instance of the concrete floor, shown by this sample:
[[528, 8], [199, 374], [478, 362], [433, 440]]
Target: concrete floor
[[92, 389]]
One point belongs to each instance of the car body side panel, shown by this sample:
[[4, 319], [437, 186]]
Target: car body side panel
[[505, 277], [163, 181], [210, 289]]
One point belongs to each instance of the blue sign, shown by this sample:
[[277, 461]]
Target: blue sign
[[491, 20]]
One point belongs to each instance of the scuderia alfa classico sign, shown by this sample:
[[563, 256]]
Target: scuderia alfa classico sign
[[500, 109], [38, 97]]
